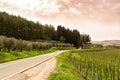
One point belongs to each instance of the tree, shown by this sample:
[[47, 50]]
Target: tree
[[76, 38], [62, 39], [20, 28], [85, 38], [68, 36]]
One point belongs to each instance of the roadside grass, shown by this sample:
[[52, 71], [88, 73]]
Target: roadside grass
[[14, 55], [6, 56], [64, 48], [64, 70]]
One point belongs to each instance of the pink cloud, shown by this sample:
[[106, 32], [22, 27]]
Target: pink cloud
[[101, 10]]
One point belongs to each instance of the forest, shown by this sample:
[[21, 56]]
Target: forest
[[21, 28]]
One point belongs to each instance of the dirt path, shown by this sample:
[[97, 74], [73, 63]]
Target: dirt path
[[39, 72]]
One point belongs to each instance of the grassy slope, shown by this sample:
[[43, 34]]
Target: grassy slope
[[64, 70], [14, 55]]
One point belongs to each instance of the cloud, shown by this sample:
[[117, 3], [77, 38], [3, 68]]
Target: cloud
[[91, 8], [47, 7], [101, 10], [74, 11], [6, 5], [43, 7]]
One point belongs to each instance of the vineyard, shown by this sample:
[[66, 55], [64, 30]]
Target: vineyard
[[99, 64]]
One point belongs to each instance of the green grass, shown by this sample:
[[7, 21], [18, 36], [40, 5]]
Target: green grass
[[64, 70], [64, 48], [6, 56], [14, 55]]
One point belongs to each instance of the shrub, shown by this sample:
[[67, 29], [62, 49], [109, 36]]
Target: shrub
[[2, 38], [36, 45], [29, 46], [10, 43]]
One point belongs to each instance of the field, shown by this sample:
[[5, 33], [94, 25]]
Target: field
[[88, 64], [97, 64]]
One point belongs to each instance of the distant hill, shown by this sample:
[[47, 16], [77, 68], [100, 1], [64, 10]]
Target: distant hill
[[108, 42]]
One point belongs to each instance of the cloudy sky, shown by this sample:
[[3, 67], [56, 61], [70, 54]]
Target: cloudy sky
[[99, 18]]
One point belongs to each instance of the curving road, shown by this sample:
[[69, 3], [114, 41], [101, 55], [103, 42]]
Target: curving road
[[9, 69]]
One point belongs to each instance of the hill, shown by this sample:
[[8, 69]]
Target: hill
[[21, 28], [108, 42]]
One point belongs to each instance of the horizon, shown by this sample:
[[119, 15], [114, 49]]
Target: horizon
[[99, 19]]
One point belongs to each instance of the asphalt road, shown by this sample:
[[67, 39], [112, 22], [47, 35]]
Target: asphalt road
[[9, 69]]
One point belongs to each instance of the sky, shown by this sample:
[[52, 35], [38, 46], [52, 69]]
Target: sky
[[98, 18]]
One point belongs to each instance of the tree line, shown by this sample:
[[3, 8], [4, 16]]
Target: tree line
[[21, 28]]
